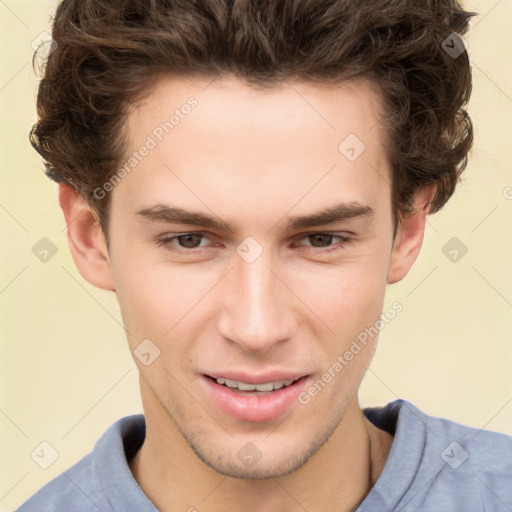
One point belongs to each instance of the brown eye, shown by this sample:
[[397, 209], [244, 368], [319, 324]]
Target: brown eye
[[189, 241], [324, 243], [320, 239], [183, 241]]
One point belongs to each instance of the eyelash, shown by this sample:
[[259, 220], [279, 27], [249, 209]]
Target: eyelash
[[166, 242]]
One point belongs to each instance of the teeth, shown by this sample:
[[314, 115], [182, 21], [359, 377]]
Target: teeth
[[242, 386]]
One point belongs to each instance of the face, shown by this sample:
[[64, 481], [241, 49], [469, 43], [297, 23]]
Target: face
[[288, 268]]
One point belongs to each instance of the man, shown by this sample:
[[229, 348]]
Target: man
[[248, 177]]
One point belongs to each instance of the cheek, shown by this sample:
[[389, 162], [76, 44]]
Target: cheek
[[156, 298], [347, 297], [349, 301]]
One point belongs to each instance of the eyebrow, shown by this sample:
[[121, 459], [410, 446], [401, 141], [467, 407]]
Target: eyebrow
[[331, 215], [340, 212]]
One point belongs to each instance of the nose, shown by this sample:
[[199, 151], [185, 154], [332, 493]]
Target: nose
[[257, 307]]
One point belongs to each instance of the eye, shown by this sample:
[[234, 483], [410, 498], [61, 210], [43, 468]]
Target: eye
[[190, 242], [323, 241], [186, 241]]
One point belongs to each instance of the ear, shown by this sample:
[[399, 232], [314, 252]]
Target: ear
[[409, 236], [86, 239]]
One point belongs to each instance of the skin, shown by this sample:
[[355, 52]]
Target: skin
[[254, 159]]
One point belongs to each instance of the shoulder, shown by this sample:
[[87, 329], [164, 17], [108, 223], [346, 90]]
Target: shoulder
[[438, 464], [465, 467], [407, 422], [485, 450], [89, 484], [74, 489]]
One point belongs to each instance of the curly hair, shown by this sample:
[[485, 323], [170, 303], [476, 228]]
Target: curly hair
[[109, 53]]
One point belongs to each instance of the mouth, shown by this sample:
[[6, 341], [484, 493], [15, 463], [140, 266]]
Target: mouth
[[254, 389], [271, 400]]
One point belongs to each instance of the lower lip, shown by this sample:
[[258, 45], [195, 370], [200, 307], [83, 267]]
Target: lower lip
[[254, 407]]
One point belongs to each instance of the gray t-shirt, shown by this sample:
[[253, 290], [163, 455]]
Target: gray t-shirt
[[435, 465]]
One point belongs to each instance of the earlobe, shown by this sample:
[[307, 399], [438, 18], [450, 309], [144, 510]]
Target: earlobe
[[86, 239], [409, 237]]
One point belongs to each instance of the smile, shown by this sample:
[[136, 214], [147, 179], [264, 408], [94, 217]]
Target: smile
[[261, 402]]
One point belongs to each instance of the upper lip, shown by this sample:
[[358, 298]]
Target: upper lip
[[262, 378]]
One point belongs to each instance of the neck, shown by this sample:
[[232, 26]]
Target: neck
[[337, 477]]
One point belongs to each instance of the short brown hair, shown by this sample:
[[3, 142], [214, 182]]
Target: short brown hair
[[109, 52]]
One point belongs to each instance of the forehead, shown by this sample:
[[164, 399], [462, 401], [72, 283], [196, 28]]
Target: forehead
[[224, 139], [225, 103]]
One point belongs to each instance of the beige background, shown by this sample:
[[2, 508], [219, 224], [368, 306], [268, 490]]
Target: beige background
[[66, 373]]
